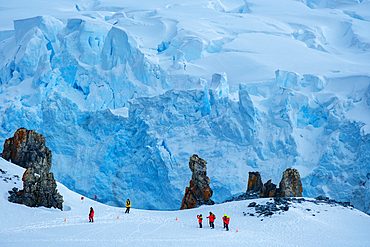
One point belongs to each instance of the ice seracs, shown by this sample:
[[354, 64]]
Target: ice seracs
[[247, 85]]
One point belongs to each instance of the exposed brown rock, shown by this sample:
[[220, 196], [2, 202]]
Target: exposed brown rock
[[27, 149], [268, 189], [198, 193], [291, 185], [254, 182]]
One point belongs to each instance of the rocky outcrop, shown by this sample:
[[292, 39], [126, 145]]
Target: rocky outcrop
[[269, 189], [280, 205], [27, 149], [254, 182], [198, 193], [291, 185], [38, 190], [255, 186]]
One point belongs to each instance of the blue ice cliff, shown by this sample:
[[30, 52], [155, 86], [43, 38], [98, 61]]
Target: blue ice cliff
[[122, 119]]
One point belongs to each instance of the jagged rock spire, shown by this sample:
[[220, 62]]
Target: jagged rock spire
[[291, 185], [199, 192], [254, 182]]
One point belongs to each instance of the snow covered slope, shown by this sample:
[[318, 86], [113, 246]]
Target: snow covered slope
[[305, 224], [125, 92]]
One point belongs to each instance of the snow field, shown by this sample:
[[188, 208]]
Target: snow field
[[24, 226]]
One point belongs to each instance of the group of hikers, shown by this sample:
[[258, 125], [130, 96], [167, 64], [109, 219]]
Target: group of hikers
[[211, 218], [91, 214]]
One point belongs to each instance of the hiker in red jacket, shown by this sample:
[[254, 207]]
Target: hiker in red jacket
[[226, 222], [91, 215], [211, 218], [200, 218]]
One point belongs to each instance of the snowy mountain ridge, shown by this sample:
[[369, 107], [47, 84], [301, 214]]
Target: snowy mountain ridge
[[125, 93]]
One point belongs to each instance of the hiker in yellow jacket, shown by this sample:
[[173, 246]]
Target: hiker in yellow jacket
[[128, 206]]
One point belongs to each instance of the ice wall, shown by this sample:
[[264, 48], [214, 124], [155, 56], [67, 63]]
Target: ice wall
[[64, 80], [61, 80]]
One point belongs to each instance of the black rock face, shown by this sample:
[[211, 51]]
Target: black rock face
[[27, 149]]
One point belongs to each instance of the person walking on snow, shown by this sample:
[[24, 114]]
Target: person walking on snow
[[91, 215], [211, 218], [128, 206], [226, 222], [200, 219]]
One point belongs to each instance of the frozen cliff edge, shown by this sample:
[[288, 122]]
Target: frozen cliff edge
[[97, 152], [61, 79]]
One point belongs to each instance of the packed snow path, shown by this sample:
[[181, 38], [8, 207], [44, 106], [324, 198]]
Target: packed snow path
[[304, 224]]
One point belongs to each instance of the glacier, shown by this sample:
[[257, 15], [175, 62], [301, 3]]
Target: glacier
[[124, 95]]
